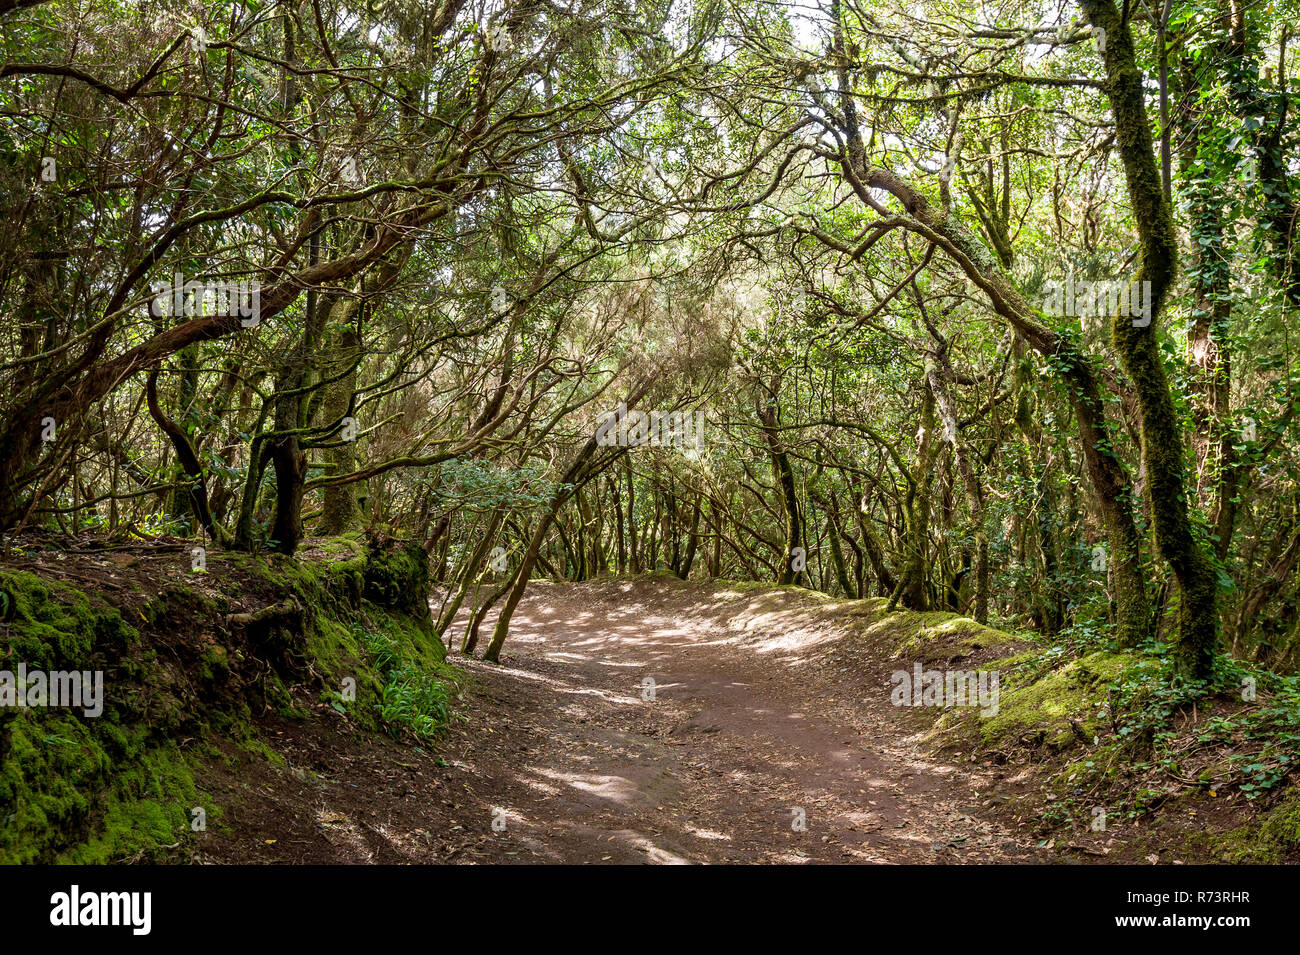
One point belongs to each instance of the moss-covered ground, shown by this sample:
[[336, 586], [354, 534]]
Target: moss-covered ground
[[182, 670]]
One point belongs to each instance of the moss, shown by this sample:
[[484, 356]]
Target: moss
[[1054, 709], [936, 635], [149, 808], [423, 645], [83, 790], [397, 577], [257, 747], [214, 666], [1016, 661], [117, 787], [928, 635], [1275, 840], [80, 788], [344, 569], [49, 624]]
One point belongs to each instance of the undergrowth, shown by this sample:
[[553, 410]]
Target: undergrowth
[[416, 696]]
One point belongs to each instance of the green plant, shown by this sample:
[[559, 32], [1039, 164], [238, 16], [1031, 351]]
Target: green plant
[[415, 697]]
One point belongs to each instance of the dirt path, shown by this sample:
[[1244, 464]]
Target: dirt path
[[745, 730]]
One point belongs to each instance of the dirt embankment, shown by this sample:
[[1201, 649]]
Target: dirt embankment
[[190, 652]]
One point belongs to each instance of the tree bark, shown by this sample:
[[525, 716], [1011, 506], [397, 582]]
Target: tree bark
[[1162, 442]]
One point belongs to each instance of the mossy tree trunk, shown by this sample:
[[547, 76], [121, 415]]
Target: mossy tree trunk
[[1139, 350], [830, 508], [692, 543], [911, 588], [1051, 611], [1205, 166], [339, 501]]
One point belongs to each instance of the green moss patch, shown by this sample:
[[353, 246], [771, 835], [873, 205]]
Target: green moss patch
[[1273, 840], [1053, 709], [200, 654], [78, 787]]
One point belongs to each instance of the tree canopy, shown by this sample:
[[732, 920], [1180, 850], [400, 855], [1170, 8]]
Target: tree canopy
[[983, 309]]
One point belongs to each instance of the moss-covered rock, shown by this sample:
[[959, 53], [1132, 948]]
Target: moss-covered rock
[[397, 577]]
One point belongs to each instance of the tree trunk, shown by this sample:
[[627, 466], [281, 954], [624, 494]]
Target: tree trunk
[[1162, 444], [783, 475]]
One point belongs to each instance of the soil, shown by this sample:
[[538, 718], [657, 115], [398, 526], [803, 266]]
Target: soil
[[764, 737]]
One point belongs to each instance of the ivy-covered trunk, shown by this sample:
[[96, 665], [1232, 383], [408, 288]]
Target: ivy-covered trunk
[[340, 500]]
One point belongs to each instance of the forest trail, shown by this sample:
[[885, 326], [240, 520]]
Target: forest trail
[[749, 722]]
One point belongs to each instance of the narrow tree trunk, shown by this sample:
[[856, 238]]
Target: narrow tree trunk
[[783, 475]]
